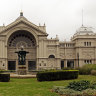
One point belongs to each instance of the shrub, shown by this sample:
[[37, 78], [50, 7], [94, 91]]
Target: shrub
[[57, 88], [57, 75], [93, 72], [93, 85], [79, 88], [86, 69], [89, 92], [4, 77], [79, 85], [70, 92], [66, 92]]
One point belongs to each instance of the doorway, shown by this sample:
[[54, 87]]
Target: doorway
[[70, 63], [31, 65], [62, 64], [11, 65]]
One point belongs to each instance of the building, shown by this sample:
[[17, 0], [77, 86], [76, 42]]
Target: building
[[44, 53]]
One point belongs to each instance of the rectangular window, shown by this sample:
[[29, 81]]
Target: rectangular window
[[62, 64], [87, 43], [90, 61], [85, 61], [84, 43]]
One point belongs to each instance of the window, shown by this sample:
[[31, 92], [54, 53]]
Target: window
[[87, 43], [69, 45], [40, 64], [84, 43], [44, 64], [51, 56], [88, 61]]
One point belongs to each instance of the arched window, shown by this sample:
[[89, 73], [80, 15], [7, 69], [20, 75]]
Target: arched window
[[51, 56], [21, 37]]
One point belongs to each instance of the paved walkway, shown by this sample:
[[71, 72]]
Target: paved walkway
[[22, 76]]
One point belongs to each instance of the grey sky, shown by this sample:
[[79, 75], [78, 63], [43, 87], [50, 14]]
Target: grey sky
[[62, 17]]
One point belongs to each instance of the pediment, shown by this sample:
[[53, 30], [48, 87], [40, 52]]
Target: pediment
[[22, 22]]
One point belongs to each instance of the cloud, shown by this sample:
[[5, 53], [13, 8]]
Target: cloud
[[62, 17]]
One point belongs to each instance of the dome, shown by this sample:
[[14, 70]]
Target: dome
[[84, 31]]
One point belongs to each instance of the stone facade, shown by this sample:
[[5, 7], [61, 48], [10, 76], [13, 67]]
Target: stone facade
[[44, 53]]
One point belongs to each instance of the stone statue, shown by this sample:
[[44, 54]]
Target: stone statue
[[21, 56]]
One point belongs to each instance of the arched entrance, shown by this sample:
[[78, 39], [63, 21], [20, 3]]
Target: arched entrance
[[15, 41], [51, 61]]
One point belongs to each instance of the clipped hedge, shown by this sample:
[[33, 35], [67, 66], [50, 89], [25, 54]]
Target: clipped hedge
[[4, 77], [57, 75]]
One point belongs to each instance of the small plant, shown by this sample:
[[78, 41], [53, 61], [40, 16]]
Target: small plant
[[70, 92], [79, 85], [93, 85], [89, 92]]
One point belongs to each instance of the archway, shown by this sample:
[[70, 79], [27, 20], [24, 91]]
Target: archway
[[51, 61], [28, 41]]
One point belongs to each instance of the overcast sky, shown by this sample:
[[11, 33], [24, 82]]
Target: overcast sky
[[62, 17]]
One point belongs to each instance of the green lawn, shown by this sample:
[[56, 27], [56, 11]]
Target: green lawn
[[31, 87]]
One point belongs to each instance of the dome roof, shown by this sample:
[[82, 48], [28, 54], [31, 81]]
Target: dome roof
[[84, 31]]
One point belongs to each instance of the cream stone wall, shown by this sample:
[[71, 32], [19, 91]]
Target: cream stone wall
[[48, 53]]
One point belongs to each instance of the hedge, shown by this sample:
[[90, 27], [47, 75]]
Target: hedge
[[7, 71], [4, 77], [57, 75]]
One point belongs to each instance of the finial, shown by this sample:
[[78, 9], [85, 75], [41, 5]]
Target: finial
[[56, 36], [44, 24], [21, 13], [3, 24]]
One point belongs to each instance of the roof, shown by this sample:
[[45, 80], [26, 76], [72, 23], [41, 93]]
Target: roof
[[84, 31], [21, 18]]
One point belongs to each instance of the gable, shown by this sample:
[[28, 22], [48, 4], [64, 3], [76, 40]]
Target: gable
[[23, 23]]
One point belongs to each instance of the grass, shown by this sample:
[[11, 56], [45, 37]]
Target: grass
[[31, 87]]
